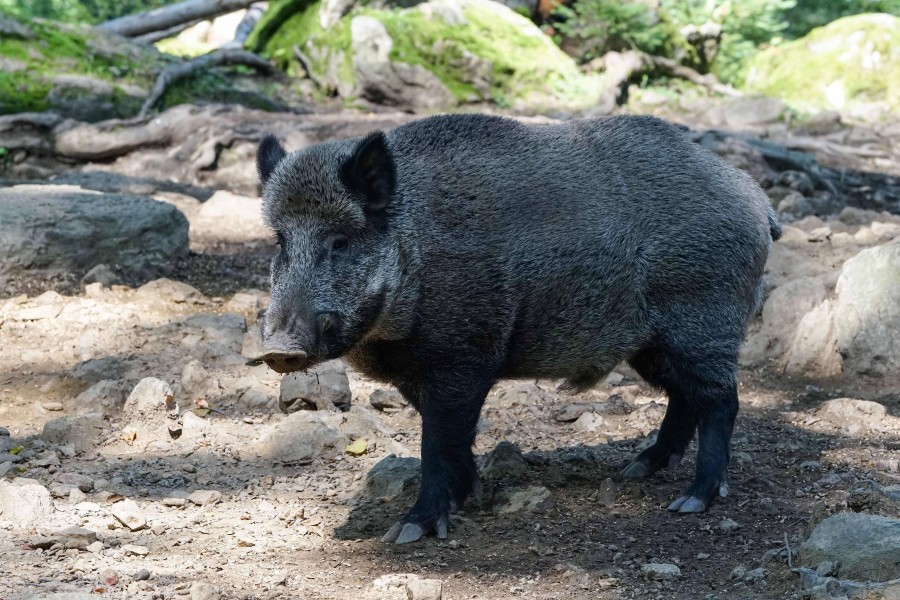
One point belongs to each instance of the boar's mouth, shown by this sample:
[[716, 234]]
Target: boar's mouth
[[284, 361]]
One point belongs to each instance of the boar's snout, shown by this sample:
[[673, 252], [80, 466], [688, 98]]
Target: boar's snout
[[294, 342], [286, 362]]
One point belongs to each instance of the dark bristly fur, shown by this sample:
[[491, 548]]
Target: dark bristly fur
[[458, 250]]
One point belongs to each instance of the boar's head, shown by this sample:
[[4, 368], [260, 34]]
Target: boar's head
[[335, 272]]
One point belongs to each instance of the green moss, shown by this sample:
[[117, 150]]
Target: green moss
[[495, 54], [273, 20], [850, 61], [328, 51], [522, 65], [21, 92]]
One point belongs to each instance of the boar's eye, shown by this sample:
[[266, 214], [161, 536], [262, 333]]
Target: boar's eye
[[279, 239], [339, 244]]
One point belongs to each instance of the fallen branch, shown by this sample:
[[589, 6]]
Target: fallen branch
[[622, 67], [167, 17], [675, 69], [181, 70], [155, 36]]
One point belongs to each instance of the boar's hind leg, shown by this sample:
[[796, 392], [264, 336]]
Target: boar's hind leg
[[702, 396], [716, 403], [678, 425], [449, 406]]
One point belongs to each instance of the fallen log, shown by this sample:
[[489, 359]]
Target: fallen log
[[168, 17], [173, 73]]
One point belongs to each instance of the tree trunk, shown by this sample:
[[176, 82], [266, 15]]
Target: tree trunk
[[171, 16]]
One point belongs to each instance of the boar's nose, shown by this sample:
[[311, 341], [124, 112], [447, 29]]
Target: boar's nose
[[281, 357], [286, 362]]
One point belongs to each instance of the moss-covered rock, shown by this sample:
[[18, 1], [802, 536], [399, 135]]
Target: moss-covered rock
[[76, 71], [850, 62], [479, 50], [88, 75]]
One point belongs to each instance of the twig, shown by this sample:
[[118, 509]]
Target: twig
[[181, 70], [787, 545]]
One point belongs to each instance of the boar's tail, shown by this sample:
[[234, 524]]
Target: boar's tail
[[774, 225]]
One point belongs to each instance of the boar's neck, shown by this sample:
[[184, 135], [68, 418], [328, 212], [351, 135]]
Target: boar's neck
[[400, 285]]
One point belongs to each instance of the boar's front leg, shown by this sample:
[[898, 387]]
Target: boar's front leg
[[449, 405]]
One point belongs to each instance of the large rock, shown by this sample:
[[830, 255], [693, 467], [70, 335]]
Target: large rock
[[300, 438], [855, 333], [393, 83], [49, 230], [81, 431], [24, 501], [851, 62], [866, 546], [427, 55], [784, 308]]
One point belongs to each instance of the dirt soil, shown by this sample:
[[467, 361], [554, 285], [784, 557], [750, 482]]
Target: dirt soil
[[312, 530]]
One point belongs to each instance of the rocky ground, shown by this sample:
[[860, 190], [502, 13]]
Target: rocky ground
[[143, 456]]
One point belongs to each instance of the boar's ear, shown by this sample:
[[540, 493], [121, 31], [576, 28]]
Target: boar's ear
[[370, 171], [268, 156]]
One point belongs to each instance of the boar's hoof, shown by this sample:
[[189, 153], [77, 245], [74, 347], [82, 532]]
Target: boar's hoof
[[636, 470], [688, 504], [405, 533], [693, 504]]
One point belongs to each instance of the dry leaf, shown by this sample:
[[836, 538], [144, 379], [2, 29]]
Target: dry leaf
[[357, 448]]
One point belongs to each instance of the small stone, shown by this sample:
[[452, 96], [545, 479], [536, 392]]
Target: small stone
[[109, 577], [141, 575], [505, 460], [46, 458], [825, 568], [204, 497], [660, 571], [392, 476], [82, 482], [324, 387], [101, 274], [76, 496], [205, 591], [608, 493], [535, 498], [95, 547], [424, 589], [588, 422], [755, 575], [135, 549], [129, 513], [52, 406], [177, 502], [702, 556], [387, 400], [728, 526], [738, 572]]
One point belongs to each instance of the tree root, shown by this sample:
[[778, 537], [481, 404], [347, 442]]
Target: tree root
[[173, 73]]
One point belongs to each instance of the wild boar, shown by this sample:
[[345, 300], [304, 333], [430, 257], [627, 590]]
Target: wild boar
[[458, 250]]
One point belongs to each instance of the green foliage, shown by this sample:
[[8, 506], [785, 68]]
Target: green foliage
[[604, 25], [809, 14], [78, 11]]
